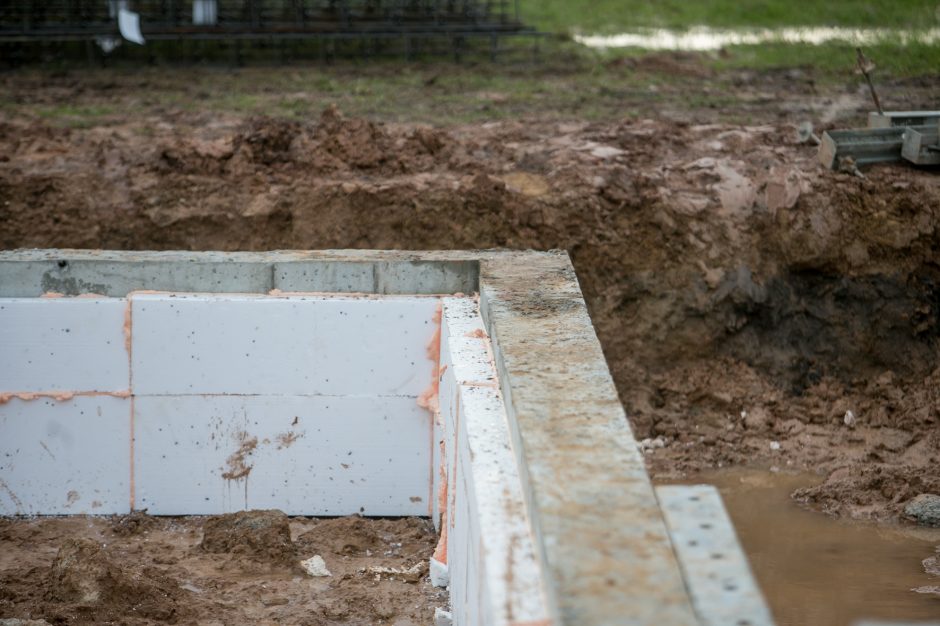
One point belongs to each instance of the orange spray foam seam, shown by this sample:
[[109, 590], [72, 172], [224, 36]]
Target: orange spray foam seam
[[429, 397], [128, 324], [59, 396], [440, 551]]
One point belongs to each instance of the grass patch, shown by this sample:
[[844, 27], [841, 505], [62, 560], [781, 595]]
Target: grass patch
[[835, 59], [612, 16], [75, 116]]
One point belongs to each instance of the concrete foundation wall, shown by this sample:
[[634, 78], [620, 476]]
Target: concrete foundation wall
[[602, 547]]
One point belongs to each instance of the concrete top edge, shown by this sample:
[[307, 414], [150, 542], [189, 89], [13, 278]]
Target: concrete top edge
[[32, 272], [276, 256]]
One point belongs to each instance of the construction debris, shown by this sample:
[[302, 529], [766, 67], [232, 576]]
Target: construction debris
[[866, 67], [315, 566], [921, 148], [866, 146], [887, 119], [410, 575], [891, 136]]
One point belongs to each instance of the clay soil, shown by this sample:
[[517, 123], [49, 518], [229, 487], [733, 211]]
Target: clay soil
[[754, 308], [234, 569]]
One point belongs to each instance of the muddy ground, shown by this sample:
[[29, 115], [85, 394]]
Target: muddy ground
[[234, 569], [753, 307]]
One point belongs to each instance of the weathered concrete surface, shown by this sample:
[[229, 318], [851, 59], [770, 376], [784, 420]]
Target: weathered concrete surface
[[604, 547], [30, 273], [602, 534]]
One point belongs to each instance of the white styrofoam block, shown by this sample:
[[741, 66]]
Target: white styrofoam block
[[444, 420], [438, 573], [343, 455], [507, 546], [462, 316], [472, 364], [62, 344], [242, 344], [497, 579], [62, 457]]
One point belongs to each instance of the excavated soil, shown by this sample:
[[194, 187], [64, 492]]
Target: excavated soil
[[230, 569], [753, 307]]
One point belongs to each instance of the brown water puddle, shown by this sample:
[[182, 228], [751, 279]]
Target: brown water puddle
[[819, 571]]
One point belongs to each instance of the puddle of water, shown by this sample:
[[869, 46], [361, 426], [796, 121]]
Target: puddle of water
[[702, 38], [818, 571]]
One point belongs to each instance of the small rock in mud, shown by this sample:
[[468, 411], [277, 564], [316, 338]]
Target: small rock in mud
[[924, 509], [932, 564], [259, 535], [315, 566], [85, 580]]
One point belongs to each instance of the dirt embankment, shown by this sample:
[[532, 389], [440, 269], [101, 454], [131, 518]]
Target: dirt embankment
[[242, 568], [753, 308]]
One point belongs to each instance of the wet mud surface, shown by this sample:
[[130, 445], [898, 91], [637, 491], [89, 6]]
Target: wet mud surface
[[860, 570], [234, 569], [753, 307]]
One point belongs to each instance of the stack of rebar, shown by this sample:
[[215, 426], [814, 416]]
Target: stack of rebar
[[63, 20]]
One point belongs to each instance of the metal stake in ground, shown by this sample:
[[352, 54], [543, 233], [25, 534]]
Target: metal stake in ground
[[866, 66]]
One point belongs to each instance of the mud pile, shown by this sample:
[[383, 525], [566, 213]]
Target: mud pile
[[746, 299], [86, 585], [259, 536], [235, 569]]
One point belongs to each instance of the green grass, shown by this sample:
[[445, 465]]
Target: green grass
[[835, 60], [610, 16], [75, 116], [568, 81]]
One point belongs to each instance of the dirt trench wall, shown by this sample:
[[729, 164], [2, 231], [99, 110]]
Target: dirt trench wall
[[726, 273]]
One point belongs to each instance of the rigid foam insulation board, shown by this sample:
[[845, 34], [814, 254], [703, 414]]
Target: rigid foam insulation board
[[63, 345], [65, 456], [188, 404], [496, 578]]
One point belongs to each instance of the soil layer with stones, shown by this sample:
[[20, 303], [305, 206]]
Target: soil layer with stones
[[754, 308], [234, 569]]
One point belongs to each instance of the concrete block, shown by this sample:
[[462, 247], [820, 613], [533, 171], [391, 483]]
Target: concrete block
[[62, 344], [308, 455], [462, 316], [79, 273], [313, 276], [713, 563], [304, 345], [427, 277], [65, 457]]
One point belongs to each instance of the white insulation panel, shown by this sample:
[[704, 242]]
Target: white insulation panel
[[495, 576], [306, 403], [62, 344], [304, 455], [66, 456], [296, 345]]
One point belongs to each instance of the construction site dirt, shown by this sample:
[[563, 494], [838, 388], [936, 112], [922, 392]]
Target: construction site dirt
[[754, 308], [242, 569]]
